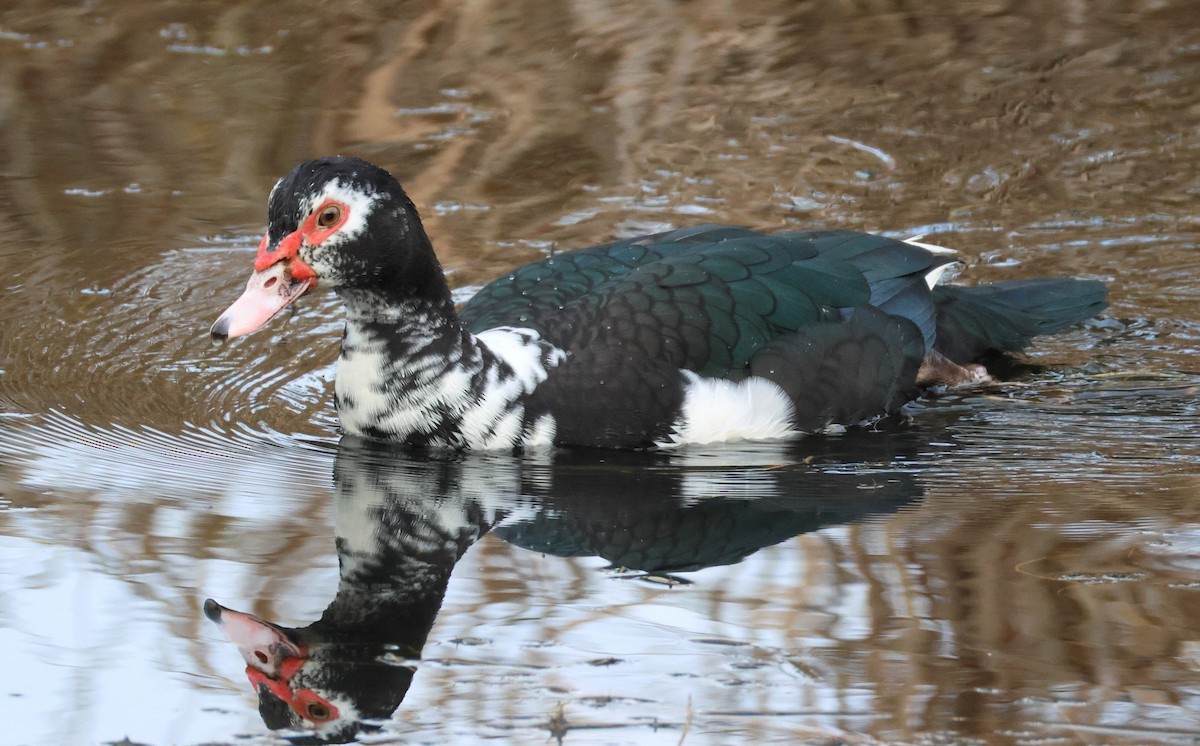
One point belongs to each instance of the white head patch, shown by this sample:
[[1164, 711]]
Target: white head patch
[[358, 203]]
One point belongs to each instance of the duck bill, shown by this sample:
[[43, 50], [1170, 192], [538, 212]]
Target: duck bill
[[265, 647], [268, 292]]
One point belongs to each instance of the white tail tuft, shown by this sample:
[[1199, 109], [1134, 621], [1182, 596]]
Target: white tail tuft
[[933, 248], [935, 275]]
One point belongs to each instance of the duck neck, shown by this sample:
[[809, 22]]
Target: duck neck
[[408, 370]]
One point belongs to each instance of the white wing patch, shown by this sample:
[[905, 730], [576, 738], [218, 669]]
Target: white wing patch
[[495, 422], [523, 350], [718, 411]]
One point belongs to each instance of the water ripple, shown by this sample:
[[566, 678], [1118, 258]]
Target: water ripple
[[139, 352], [57, 452]]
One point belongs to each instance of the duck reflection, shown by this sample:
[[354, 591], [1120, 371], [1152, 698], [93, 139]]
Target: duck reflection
[[403, 521]]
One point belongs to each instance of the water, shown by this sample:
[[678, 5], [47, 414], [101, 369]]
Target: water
[[1016, 564]]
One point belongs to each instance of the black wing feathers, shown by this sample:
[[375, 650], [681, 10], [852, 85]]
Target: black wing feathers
[[1006, 316], [891, 267], [542, 288], [841, 321], [640, 399], [845, 372], [708, 298]]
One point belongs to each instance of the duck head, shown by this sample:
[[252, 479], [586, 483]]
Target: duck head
[[296, 686], [339, 223]]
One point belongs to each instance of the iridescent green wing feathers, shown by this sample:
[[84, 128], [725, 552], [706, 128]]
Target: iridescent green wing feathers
[[536, 290], [706, 299]]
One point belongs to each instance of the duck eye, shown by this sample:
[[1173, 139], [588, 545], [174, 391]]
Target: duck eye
[[328, 216], [318, 711]]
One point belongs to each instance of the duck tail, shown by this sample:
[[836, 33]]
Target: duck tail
[[975, 322]]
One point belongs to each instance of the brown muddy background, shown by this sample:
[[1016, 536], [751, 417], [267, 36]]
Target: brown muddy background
[[1042, 590]]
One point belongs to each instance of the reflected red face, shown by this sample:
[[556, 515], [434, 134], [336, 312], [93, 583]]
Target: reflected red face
[[304, 702], [273, 658]]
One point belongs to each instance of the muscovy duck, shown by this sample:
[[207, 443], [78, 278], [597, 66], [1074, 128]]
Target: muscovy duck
[[697, 335]]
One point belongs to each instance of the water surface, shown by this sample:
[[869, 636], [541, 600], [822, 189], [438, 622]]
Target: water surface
[[1013, 564]]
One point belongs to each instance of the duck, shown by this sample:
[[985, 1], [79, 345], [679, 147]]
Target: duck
[[699, 335]]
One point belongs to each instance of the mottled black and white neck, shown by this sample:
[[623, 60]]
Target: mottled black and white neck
[[698, 335], [459, 390]]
